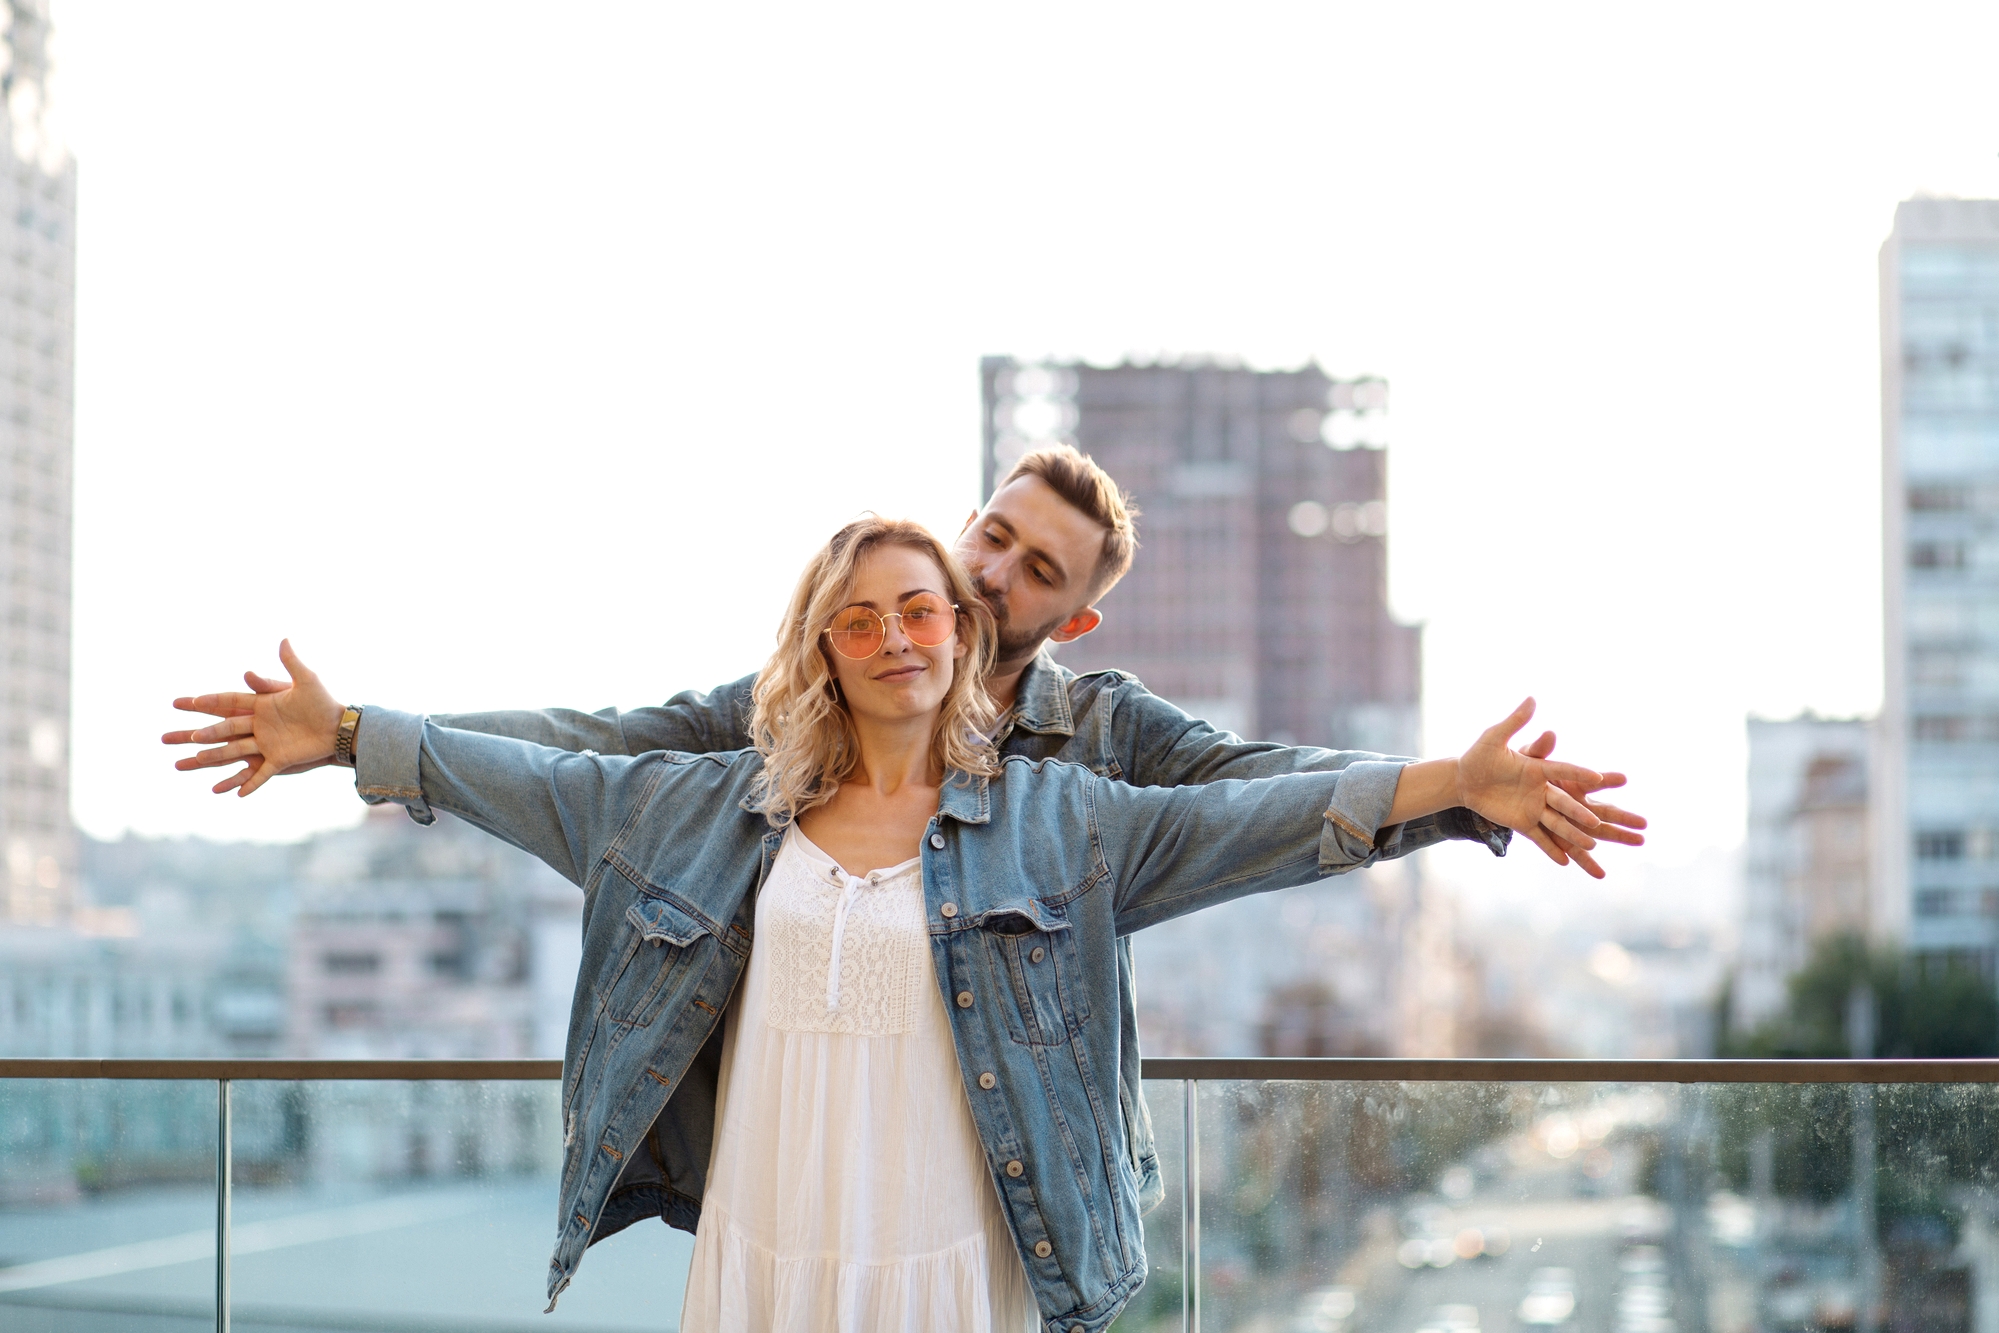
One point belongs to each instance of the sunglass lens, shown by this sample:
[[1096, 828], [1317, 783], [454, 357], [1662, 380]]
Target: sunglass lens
[[928, 619], [856, 632]]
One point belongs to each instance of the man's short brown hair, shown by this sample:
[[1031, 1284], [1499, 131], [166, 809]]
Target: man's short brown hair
[[1075, 477]]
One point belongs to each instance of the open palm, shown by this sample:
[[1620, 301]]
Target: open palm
[[276, 727]]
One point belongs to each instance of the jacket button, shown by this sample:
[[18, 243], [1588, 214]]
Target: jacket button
[[1038, 954], [936, 840], [1014, 1169], [964, 999], [949, 909], [987, 1081], [1042, 1249]]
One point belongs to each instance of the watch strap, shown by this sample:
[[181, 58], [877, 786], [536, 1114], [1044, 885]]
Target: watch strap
[[343, 739]]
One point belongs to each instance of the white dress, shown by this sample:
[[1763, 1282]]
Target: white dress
[[847, 1190]]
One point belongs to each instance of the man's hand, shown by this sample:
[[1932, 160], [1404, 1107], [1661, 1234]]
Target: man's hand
[[1618, 825], [278, 727], [1542, 799]]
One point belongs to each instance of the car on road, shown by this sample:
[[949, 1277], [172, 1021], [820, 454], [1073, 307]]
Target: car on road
[[1550, 1301], [1450, 1319], [1326, 1310]]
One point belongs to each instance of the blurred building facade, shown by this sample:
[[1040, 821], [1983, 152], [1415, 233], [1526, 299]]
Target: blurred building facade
[[1936, 786], [389, 940], [1259, 602], [37, 353], [1808, 864], [413, 942], [421, 943]]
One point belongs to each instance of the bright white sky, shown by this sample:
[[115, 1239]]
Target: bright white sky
[[518, 354]]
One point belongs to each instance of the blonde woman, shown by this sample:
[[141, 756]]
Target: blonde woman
[[848, 1007]]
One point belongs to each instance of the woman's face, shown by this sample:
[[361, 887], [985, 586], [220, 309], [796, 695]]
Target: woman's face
[[902, 680]]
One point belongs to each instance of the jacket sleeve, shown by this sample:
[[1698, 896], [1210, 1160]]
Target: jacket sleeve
[[1175, 850], [691, 722], [560, 807], [1161, 746]]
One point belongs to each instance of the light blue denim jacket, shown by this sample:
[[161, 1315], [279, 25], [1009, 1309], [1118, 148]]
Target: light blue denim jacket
[[669, 851]]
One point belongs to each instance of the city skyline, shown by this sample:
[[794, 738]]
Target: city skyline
[[1638, 347]]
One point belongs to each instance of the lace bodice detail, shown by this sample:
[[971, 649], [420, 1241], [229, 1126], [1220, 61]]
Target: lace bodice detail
[[848, 954]]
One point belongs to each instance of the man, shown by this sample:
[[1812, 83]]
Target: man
[[1055, 537]]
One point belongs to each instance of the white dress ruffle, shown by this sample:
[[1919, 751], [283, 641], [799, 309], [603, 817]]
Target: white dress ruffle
[[848, 1192]]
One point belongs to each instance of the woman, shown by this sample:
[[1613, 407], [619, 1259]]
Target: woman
[[910, 1113]]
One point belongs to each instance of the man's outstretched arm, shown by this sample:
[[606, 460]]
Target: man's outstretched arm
[[690, 721]]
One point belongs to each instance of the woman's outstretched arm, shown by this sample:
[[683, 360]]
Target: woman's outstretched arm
[[1171, 851]]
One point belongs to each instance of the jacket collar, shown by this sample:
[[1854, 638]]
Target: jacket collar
[[1041, 702], [965, 799]]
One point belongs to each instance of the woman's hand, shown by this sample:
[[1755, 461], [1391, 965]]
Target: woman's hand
[[278, 727]]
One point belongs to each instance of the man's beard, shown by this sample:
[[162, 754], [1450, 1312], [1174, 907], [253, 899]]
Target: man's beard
[[1013, 643]]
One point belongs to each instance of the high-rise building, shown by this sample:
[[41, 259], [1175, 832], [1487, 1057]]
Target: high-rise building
[[1936, 795], [1258, 602], [1259, 599], [37, 344]]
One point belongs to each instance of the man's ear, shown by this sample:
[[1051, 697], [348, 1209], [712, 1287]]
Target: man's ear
[[1076, 626]]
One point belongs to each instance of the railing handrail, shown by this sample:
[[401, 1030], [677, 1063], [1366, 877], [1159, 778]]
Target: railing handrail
[[1205, 1068]]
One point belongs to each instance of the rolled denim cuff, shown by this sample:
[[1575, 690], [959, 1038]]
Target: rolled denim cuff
[[387, 750], [1362, 798]]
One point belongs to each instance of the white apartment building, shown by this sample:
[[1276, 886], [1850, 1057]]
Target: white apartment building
[[1807, 871], [37, 356], [1936, 790]]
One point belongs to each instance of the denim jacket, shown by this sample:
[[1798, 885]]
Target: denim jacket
[[1106, 721], [1030, 879]]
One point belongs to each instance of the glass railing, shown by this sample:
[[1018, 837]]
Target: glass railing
[[1303, 1196]]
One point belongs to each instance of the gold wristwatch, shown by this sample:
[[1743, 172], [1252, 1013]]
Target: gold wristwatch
[[343, 739]]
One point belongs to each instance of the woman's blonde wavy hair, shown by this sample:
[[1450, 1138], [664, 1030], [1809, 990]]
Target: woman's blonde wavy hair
[[800, 723]]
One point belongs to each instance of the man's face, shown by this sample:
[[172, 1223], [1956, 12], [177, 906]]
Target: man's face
[[1032, 556]]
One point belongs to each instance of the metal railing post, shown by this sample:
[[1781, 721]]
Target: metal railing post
[[223, 1154], [1190, 1208]]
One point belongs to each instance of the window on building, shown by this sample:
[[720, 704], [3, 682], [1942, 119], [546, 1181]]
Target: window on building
[[1937, 555], [451, 964], [1939, 497], [1940, 844], [352, 964], [1942, 727], [352, 1014], [1933, 902]]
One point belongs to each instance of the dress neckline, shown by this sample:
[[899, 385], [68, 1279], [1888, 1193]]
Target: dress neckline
[[813, 851]]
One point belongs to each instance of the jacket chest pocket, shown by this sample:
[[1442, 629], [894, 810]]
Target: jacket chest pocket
[[1036, 966], [665, 954]]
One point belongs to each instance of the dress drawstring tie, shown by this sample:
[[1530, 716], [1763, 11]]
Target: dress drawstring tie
[[851, 889]]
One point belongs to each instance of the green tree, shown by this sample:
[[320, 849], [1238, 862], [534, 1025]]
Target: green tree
[[1927, 1008]]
